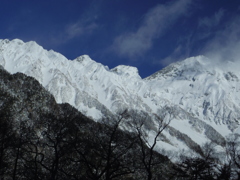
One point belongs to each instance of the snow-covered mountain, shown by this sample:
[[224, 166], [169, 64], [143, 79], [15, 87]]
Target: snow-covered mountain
[[201, 96]]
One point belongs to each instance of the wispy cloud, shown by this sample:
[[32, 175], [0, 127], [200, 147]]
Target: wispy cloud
[[212, 21], [175, 56], [218, 41], [79, 28], [181, 51], [226, 43], [155, 24]]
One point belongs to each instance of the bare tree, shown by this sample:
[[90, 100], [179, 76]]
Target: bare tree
[[108, 154], [233, 156], [56, 144], [206, 166], [7, 133], [148, 155]]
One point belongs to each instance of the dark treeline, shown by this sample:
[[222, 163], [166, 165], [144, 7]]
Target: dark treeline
[[67, 145]]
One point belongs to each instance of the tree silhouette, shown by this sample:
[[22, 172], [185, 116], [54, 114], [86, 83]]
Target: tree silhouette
[[149, 158], [7, 134], [108, 153]]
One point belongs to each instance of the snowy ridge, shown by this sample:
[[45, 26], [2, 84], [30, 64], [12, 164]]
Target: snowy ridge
[[206, 91], [203, 95]]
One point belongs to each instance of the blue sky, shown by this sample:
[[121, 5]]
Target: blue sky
[[147, 34]]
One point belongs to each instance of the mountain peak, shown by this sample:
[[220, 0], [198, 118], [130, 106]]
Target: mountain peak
[[18, 42], [7, 41], [189, 65], [83, 58], [127, 71]]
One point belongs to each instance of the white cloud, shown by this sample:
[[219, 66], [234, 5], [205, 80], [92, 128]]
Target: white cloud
[[213, 20], [155, 24]]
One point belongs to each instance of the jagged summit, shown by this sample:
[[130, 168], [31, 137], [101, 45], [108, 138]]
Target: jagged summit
[[84, 59], [190, 65], [201, 95], [127, 71]]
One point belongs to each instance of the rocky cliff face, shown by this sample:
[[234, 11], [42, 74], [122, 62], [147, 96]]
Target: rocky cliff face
[[198, 95]]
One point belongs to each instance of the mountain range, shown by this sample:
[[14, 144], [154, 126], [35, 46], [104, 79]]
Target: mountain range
[[199, 96]]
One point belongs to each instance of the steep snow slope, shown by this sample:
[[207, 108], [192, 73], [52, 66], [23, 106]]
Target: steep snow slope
[[207, 90], [85, 84], [200, 97]]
